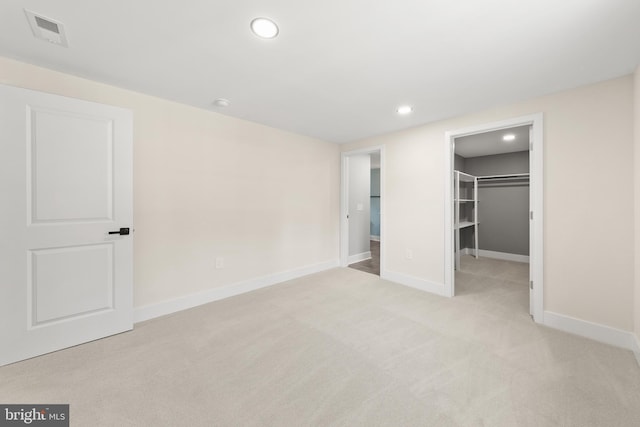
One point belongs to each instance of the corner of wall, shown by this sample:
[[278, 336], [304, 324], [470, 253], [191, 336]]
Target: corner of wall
[[636, 192], [415, 282]]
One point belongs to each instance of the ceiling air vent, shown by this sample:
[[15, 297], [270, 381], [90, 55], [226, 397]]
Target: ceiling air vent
[[46, 28]]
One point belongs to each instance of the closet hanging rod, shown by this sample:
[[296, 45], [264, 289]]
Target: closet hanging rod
[[510, 176]]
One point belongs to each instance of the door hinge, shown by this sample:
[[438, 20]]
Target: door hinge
[[531, 215], [530, 284]]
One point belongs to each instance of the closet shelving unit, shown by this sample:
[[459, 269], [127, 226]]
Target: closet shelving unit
[[465, 199]]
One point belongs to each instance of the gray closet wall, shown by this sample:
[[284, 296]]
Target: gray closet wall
[[503, 210]]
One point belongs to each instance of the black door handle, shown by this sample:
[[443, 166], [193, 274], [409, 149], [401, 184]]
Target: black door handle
[[122, 232]]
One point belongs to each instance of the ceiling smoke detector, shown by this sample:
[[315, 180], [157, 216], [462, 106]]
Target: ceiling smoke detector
[[221, 102], [47, 29]]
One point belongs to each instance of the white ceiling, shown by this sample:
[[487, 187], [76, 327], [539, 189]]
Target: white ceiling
[[339, 68], [490, 143]]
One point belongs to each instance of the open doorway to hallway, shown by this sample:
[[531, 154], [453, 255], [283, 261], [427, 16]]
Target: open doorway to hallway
[[372, 264], [362, 240]]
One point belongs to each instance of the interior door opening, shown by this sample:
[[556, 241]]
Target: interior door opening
[[491, 210], [362, 230], [494, 189]]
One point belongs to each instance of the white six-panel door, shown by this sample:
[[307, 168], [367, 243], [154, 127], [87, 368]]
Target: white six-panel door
[[65, 183]]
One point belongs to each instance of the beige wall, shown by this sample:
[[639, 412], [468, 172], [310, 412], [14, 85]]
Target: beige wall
[[588, 198], [207, 185], [636, 118]]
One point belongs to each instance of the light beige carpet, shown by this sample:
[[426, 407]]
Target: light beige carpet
[[343, 348]]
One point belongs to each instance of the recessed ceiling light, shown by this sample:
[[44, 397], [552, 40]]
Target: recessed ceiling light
[[508, 137], [221, 102], [264, 28], [404, 109]]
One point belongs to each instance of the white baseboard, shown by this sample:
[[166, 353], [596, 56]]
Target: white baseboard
[[496, 255], [152, 311], [359, 257], [636, 350], [594, 331], [374, 238], [415, 282], [503, 255]]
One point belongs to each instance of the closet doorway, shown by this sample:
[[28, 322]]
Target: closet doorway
[[493, 218], [362, 210]]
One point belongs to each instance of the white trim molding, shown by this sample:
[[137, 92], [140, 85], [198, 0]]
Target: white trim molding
[[374, 238], [496, 255], [415, 282], [162, 308], [636, 350], [503, 256], [595, 331], [359, 257]]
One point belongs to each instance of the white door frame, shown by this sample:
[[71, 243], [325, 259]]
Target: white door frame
[[344, 204], [535, 187]]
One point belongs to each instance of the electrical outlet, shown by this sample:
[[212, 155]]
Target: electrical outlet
[[408, 254], [219, 262]]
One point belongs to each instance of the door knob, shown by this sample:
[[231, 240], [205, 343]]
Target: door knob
[[122, 232]]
